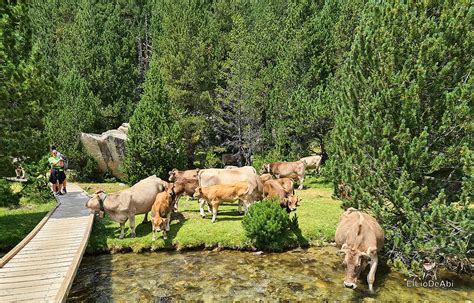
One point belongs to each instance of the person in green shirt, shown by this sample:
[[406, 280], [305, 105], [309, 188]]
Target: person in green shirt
[[57, 176]]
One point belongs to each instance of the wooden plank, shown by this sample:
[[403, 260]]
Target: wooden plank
[[33, 288], [32, 262], [54, 245], [57, 237], [38, 259], [33, 296], [10, 270], [67, 283], [31, 278], [28, 284], [49, 252], [27, 239], [35, 265], [30, 257], [39, 271]]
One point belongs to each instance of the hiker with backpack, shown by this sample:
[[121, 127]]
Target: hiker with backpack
[[58, 175]]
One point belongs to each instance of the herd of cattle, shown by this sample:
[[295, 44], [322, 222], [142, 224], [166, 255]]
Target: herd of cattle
[[358, 235]]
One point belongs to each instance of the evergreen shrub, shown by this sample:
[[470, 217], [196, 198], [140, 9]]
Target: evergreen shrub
[[267, 225]]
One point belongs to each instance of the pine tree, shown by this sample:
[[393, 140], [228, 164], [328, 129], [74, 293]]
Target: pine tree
[[25, 91], [402, 143], [154, 144]]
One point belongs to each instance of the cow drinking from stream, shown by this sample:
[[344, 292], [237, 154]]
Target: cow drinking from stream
[[360, 237]]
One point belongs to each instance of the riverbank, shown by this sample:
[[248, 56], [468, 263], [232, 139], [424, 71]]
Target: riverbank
[[318, 215]]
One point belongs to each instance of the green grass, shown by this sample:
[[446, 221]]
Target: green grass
[[16, 223], [318, 215]]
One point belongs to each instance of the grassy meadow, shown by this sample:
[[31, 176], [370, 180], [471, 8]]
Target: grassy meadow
[[318, 215], [17, 222]]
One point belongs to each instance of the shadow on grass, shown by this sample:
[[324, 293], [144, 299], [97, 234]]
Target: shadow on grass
[[14, 227]]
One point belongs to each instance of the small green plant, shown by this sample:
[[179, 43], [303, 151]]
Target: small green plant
[[7, 197], [267, 225]]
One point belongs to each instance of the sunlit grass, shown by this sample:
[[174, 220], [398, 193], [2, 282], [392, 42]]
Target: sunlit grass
[[318, 215]]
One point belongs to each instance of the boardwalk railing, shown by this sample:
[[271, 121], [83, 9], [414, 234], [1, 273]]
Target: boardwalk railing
[[42, 267]]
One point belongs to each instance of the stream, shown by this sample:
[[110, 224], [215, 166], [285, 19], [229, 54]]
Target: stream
[[312, 274]]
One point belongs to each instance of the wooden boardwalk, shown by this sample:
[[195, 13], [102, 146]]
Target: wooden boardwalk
[[42, 267]]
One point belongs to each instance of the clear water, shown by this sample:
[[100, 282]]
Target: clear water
[[313, 275]]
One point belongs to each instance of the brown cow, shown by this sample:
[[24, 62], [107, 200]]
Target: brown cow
[[161, 212], [178, 174], [186, 182], [287, 183], [286, 169], [125, 204], [214, 195], [273, 189], [313, 162], [265, 177], [215, 176], [360, 238]]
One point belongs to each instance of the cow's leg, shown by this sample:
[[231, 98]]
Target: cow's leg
[[153, 238], [145, 219], [371, 275], [175, 203], [215, 206], [201, 207], [240, 207], [301, 180], [169, 221], [132, 226], [122, 230]]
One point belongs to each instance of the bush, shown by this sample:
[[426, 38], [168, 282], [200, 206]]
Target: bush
[[267, 225], [7, 197], [37, 189]]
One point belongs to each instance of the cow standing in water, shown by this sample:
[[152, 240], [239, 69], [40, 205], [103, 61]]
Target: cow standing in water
[[360, 237]]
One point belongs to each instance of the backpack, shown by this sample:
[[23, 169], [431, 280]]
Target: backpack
[[65, 160]]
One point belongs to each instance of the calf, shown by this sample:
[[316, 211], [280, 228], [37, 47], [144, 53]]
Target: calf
[[215, 176], [265, 177], [286, 169], [286, 183], [273, 189], [161, 212], [214, 195], [360, 237]]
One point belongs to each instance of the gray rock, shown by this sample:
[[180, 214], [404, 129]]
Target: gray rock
[[108, 149]]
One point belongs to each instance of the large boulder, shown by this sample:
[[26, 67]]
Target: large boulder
[[108, 149]]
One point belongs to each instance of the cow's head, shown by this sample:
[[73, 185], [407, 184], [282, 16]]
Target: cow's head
[[159, 224], [291, 202], [198, 192], [172, 174], [96, 201], [171, 190], [265, 169], [355, 261]]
